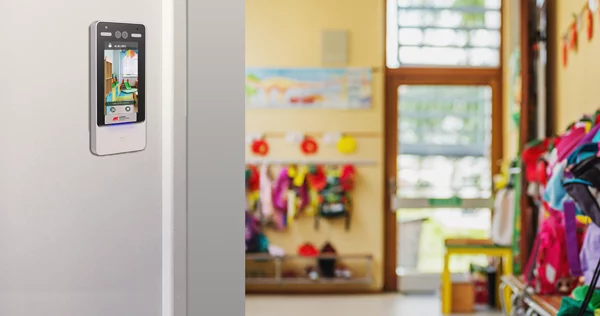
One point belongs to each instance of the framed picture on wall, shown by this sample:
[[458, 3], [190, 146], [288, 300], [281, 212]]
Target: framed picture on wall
[[339, 88]]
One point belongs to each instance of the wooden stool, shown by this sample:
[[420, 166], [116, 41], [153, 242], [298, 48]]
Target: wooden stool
[[472, 247]]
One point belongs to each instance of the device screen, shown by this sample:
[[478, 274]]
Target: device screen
[[122, 74]]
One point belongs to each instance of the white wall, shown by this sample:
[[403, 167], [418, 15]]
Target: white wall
[[79, 235]]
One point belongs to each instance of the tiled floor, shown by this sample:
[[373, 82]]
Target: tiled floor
[[348, 305]]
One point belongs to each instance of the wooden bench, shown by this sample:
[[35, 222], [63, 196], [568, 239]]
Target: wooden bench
[[544, 305]]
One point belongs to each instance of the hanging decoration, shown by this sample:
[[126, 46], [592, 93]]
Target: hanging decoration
[[309, 143], [346, 145], [570, 38], [565, 52], [260, 147], [590, 25], [309, 146], [574, 32]]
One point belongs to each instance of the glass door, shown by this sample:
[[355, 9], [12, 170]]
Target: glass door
[[443, 185], [443, 78]]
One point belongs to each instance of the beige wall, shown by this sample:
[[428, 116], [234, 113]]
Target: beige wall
[[576, 89], [287, 33]]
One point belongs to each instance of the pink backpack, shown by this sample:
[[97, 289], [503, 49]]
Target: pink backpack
[[547, 271]]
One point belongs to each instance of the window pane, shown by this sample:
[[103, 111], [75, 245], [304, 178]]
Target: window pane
[[444, 135], [443, 33], [490, 4], [432, 56], [484, 38], [444, 177], [445, 37], [410, 36]]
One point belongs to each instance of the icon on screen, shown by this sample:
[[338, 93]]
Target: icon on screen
[[127, 108], [113, 110]]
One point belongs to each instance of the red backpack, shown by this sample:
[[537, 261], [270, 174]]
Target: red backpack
[[547, 271]]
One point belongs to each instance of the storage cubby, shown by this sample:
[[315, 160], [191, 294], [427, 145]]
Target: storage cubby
[[267, 269]]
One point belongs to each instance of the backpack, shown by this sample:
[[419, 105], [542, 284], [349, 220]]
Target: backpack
[[334, 203], [582, 177], [334, 198], [530, 156], [570, 183], [547, 272], [582, 184], [556, 198]]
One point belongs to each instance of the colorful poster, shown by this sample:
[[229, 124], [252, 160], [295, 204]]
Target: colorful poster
[[345, 88]]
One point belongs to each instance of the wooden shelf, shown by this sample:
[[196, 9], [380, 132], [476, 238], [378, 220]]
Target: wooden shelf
[[263, 257], [278, 278], [544, 305], [256, 280]]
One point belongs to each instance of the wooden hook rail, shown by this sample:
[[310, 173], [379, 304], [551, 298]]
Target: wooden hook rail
[[326, 162], [358, 134]]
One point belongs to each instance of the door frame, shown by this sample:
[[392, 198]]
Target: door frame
[[435, 76], [429, 76]]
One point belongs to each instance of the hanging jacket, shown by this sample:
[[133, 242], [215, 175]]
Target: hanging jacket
[[266, 191]]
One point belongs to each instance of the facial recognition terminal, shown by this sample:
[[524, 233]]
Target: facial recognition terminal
[[118, 99]]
